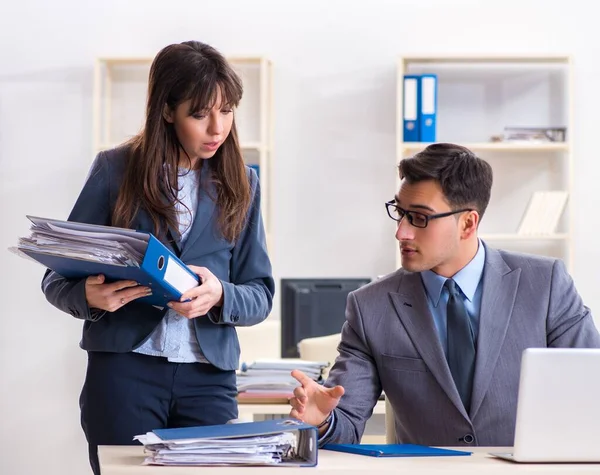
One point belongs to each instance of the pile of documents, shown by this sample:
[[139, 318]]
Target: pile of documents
[[534, 134], [77, 250], [272, 376], [102, 245], [276, 442]]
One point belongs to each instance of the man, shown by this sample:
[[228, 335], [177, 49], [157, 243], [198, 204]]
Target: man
[[443, 335]]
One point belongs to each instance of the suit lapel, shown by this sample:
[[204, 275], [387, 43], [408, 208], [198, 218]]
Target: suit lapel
[[500, 285], [143, 222], [174, 239], [204, 212], [411, 306]]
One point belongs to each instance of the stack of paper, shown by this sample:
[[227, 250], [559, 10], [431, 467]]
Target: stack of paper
[[240, 451], [270, 376], [105, 245], [78, 250], [284, 441]]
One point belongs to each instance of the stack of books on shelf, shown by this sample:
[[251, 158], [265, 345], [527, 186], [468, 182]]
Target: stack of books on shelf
[[534, 134], [543, 213], [270, 380]]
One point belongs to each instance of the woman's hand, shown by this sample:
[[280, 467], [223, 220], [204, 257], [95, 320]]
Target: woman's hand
[[113, 296], [202, 298]]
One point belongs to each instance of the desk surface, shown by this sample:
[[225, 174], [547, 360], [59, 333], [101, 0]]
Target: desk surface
[[126, 460]]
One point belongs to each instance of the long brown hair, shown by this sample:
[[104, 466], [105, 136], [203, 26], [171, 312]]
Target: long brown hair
[[180, 72]]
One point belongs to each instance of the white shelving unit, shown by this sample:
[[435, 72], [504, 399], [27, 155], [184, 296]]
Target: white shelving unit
[[120, 87], [477, 97]]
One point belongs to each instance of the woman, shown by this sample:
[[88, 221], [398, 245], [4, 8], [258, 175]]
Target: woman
[[182, 178]]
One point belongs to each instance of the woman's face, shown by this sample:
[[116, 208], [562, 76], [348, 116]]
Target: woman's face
[[202, 132]]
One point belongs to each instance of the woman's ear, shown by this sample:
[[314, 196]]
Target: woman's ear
[[168, 114]]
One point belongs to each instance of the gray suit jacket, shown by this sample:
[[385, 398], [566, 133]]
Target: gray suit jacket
[[243, 267], [389, 342]]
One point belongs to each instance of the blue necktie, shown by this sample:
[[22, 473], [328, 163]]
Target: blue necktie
[[461, 345]]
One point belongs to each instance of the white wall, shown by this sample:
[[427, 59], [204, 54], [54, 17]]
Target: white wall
[[334, 140]]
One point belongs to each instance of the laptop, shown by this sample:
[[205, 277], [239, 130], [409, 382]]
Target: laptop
[[558, 410]]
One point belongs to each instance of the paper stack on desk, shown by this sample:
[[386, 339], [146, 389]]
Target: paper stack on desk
[[77, 250], [272, 376], [276, 442]]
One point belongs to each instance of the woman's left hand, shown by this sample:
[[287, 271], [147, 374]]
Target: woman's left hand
[[202, 298]]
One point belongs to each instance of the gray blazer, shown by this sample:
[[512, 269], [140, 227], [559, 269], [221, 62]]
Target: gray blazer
[[389, 342], [243, 267]]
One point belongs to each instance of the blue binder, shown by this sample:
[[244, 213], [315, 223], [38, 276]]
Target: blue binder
[[306, 436], [394, 450], [428, 107], [160, 269], [256, 168], [411, 107]]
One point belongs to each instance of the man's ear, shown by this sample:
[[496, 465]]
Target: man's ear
[[168, 114], [470, 223]]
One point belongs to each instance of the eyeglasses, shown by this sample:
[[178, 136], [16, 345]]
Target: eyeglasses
[[418, 220]]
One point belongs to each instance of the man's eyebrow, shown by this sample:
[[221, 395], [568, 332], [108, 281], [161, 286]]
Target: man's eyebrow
[[417, 206], [427, 208]]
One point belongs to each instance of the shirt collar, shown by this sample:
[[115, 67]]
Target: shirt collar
[[467, 278]]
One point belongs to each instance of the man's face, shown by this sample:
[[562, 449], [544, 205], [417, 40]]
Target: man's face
[[437, 246]]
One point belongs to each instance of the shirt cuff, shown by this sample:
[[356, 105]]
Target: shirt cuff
[[330, 430]]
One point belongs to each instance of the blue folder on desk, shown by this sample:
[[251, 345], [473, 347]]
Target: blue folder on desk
[[393, 450], [304, 455], [77, 250]]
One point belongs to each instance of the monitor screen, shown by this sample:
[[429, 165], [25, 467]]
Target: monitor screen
[[313, 307]]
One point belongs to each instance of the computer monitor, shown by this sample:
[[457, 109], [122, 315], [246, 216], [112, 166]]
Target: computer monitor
[[313, 307]]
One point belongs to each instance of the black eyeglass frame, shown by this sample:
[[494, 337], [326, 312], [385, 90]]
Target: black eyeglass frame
[[391, 205]]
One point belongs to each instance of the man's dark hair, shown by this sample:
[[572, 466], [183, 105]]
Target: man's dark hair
[[466, 179]]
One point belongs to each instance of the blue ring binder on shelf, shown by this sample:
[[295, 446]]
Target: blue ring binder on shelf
[[419, 112], [411, 108], [428, 108], [77, 250]]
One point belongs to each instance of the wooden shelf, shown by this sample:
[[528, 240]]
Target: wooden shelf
[[253, 146], [486, 59], [503, 92], [115, 61], [497, 146], [257, 116], [245, 146]]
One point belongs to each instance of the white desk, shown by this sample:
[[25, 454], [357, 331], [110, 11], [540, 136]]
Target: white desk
[[126, 460]]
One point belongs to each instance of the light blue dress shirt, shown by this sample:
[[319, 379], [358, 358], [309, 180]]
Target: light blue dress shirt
[[468, 279], [175, 337]]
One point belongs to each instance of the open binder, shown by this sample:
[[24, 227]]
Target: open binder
[[76, 250], [281, 442]]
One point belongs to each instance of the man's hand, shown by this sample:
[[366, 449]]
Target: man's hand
[[202, 298], [312, 402], [111, 297]]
